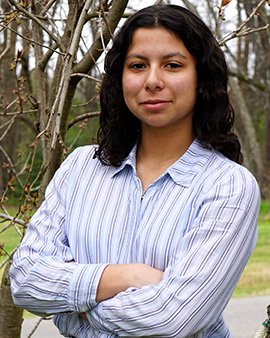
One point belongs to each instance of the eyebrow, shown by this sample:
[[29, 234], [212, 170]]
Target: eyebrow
[[167, 56]]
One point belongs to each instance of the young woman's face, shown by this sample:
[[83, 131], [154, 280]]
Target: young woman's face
[[160, 80]]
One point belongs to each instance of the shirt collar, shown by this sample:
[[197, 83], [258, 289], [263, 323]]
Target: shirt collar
[[129, 161], [186, 168], [183, 171]]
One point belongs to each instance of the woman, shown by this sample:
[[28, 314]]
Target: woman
[[148, 233]]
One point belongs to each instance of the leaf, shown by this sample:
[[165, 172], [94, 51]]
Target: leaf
[[225, 2]]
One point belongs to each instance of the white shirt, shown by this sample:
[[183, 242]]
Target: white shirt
[[197, 222]]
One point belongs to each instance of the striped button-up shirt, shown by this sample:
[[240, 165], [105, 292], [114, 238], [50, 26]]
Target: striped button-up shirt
[[197, 222]]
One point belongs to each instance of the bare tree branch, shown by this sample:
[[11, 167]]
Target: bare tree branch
[[82, 117], [45, 59], [31, 40], [64, 83], [10, 255], [253, 30], [19, 112], [85, 103], [245, 78], [8, 44], [190, 6], [9, 125], [3, 125], [105, 19], [95, 50], [12, 219], [238, 33], [37, 325], [11, 165], [47, 7], [86, 76], [37, 21]]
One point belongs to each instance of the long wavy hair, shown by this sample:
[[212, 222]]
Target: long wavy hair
[[213, 117]]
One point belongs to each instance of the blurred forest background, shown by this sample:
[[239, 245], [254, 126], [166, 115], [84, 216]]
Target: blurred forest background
[[51, 54]]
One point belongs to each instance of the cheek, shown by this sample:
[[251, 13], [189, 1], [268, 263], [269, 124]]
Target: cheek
[[188, 88], [188, 83], [131, 89]]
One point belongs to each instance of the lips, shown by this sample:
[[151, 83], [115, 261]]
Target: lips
[[154, 101], [155, 104]]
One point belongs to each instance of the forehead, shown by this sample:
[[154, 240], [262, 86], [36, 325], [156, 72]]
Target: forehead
[[156, 41], [161, 34]]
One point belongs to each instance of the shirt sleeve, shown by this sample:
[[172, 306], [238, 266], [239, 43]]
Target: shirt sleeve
[[203, 271], [42, 280]]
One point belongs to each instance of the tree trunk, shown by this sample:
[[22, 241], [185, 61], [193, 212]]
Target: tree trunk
[[10, 316], [56, 157], [9, 142], [245, 130]]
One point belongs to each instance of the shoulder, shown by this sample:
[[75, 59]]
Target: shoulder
[[222, 174], [82, 153], [79, 156], [76, 162], [214, 166], [224, 168]]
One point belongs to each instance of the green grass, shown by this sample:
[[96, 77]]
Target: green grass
[[255, 278], [10, 237]]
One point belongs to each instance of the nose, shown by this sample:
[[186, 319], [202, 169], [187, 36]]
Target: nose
[[154, 80]]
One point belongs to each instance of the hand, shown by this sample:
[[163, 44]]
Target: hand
[[141, 274], [83, 315]]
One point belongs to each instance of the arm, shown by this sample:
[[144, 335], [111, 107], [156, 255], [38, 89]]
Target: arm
[[119, 277], [201, 275], [41, 279]]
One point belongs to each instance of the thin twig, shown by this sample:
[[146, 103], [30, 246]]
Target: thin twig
[[37, 21], [86, 103], [105, 19], [10, 105], [75, 140], [19, 112], [47, 7], [12, 219], [254, 30], [25, 165], [9, 256], [82, 117], [101, 33], [32, 41], [37, 325], [8, 45], [237, 33], [87, 76], [10, 124], [37, 177], [66, 74], [3, 125], [11, 165]]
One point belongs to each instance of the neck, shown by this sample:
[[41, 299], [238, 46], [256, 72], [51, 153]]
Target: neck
[[157, 151], [161, 146]]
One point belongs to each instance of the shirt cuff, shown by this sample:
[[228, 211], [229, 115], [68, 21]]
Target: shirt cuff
[[83, 286], [97, 319]]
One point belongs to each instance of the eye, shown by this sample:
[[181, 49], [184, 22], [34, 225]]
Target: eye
[[137, 66], [173, 65]]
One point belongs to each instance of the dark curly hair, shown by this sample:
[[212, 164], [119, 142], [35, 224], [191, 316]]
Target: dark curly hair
[[213, 117]]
